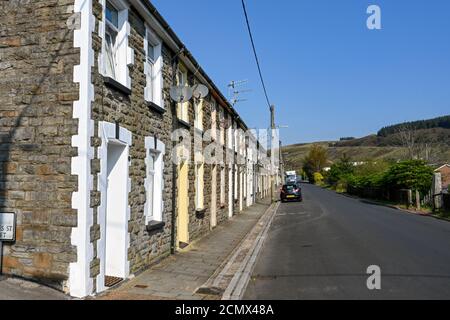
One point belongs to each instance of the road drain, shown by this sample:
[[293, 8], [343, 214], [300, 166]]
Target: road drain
[[141, 286]]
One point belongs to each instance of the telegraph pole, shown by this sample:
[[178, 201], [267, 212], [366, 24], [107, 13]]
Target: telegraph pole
[[273, 128]]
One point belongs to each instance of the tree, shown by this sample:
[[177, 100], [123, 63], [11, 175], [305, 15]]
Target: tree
[[315, 160], [407, 136], [341, 169], [410, 174]]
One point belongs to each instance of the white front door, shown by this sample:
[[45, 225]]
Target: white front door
[[116, 211]]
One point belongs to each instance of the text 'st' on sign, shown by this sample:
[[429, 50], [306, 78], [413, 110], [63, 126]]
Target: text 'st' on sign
[[7, 227]]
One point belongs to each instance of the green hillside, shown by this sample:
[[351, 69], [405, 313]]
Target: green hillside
[[387, 146]]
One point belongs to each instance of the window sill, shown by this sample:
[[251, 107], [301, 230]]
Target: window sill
[[155, 107], [184, 124], [200, 213], [110, 82], [153, 226], [198, 130]]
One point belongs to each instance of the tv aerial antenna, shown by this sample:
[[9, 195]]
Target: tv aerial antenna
[[234, 91]]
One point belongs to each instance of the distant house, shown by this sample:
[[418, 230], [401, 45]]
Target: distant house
[[445, 173]]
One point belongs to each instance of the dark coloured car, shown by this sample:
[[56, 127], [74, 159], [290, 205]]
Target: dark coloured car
[[291, 192]]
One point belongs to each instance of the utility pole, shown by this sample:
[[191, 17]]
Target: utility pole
[[272, 155]]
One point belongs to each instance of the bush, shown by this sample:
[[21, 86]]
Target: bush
[[410, 174], [381, 180], [318, 178]]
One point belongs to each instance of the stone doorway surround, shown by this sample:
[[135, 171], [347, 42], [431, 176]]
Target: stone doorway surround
[[112, 135]]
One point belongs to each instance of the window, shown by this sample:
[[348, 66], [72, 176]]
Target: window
[[153, 68], [151, 185], [199, 186], [236, 172], [230, 133], [116, 56], [222, 186], [213, 119], [111, 34], [199, 115], [236, 140], [154, 183], [222, 125], [183, 108]]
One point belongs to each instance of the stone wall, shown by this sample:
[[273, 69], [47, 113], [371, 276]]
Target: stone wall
[[37, 92], [36, 96], [132, 113]]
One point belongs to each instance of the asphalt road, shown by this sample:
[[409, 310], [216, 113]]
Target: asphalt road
[[321, 249]]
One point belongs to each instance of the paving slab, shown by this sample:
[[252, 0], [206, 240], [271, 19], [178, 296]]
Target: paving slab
[[179, 276]]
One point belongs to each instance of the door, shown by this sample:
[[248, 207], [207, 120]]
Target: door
[[230, 192], [183, 204], [214, 197], [241, 190], [116, 224]]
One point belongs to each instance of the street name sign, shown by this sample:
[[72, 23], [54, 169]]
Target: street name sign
[[7, 227]]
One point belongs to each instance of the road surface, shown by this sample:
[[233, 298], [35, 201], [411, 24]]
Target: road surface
[[321, 249]]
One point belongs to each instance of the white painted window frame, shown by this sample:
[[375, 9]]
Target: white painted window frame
[[154, 208], [213, 119], [199, 114], [199, 186], [124, 55], [230, 139], [236, 137], [222, 186], [221, 125], [113, 34], [183, 107], [153, 68]]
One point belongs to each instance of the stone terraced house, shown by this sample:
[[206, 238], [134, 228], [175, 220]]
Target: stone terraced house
[[86, 148]]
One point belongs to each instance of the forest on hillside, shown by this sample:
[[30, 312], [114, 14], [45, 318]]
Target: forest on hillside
[[440, 122]]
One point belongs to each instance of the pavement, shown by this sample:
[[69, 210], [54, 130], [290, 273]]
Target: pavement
[[19, 289], [178, 277], [321, 249]]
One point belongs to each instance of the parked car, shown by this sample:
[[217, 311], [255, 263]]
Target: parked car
[[291, 192]]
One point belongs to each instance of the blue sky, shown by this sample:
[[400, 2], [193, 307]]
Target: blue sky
[[328, 75]]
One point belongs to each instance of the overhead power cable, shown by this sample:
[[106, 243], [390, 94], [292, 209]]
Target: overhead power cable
[[256, 55]]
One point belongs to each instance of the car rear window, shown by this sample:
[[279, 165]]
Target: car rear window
[[290, 187]]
